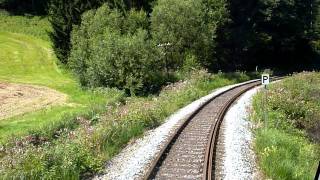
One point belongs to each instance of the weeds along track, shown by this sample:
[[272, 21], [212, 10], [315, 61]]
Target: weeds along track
[[190, 151]]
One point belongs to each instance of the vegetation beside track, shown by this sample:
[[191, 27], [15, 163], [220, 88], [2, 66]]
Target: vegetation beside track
[[288, 145], [75, 140], [79, 153]]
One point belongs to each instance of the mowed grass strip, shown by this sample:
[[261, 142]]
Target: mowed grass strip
[[29, 60]]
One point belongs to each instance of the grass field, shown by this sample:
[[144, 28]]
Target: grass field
[[289, 147], [26, 57]]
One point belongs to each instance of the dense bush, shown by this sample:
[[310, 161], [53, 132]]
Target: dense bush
[[114, 48], [111, 49]]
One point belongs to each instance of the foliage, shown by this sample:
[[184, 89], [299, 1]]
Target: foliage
[[292, 136], [186, 27], [129, 52], [82, 152], [21, 7], [298, 98], [63, 15], [177, 26], [269, 33], [216, 15], [110, 49]]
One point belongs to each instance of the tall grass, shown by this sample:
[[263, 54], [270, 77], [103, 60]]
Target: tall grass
[[288, 148], [36, 26]]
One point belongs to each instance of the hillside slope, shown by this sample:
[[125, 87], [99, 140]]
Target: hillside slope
[[26, 57]]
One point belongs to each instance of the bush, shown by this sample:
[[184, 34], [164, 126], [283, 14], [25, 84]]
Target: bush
[[110, 49]]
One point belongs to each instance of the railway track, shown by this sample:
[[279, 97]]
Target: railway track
[[190, 151]]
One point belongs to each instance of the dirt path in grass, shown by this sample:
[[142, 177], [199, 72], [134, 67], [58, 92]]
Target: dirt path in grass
[[17, 99]]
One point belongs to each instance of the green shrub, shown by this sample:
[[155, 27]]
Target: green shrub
[[297, 98], [110, 49]]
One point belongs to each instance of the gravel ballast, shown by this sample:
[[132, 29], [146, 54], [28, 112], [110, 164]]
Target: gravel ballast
[[236, 156]]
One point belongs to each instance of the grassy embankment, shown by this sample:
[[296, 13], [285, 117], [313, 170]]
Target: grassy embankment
[[26, 57], [289, 147], [55, 149]]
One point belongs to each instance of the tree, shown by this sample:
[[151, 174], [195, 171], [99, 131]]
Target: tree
[[189, 27], [139, 4], [286, 27], [216, 16], [64, 14], [37, 7], [267, 33], [175, 27]]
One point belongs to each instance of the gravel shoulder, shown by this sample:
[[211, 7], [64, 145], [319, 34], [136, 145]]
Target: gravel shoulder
[[237, 159], [17, 99]]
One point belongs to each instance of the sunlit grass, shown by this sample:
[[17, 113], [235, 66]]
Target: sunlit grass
[[29, 60], [36, 26]]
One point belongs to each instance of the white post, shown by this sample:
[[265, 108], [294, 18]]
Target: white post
[[265, 80]]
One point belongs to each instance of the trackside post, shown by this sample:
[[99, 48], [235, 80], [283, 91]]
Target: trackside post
[[265, 80]]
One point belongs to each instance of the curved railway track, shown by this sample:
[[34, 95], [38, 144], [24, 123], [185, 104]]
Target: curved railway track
[[190, 151]]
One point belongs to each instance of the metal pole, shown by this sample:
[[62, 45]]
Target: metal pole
[[266, 105]]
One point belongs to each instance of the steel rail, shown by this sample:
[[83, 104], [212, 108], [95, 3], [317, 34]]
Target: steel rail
[[210, 153]]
